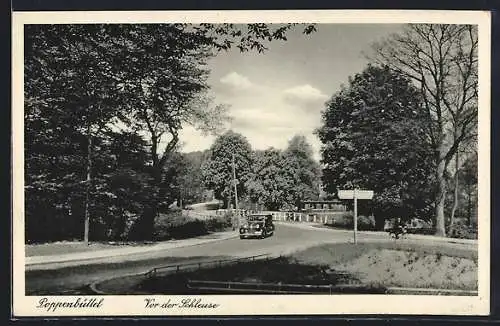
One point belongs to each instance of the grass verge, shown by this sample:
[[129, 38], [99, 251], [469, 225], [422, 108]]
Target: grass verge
[[399, 264], [369, 267], [168, 228]]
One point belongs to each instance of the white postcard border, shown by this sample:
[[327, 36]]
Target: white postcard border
[[258, 304]]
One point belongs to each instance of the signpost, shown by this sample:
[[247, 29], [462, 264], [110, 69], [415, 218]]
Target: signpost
[[355, 195]]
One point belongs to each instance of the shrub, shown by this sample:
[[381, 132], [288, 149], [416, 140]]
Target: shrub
[[188, 230], [176, 226], [218, 224], [212, 206], [460, 230], [413, 226], [425, 231], [366, 223], [345, 220]]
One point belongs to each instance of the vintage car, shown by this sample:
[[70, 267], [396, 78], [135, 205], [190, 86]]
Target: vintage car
[[257, 226]]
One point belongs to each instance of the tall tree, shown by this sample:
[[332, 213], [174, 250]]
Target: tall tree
[[70, 77], [272, 179], [217, 171], [373, 138], [299, 153], [192, 189], [123, 184], [247, 37], [163, 73], [166, 72], [442, 61], [150, 78]]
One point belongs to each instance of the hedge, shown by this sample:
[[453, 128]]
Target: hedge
[[346, 221], [175, 226]]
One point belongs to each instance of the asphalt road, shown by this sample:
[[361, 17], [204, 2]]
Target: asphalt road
[[71, 280]]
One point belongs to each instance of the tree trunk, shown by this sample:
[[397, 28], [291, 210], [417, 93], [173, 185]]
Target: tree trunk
[[87, 188], [144, 227], [455, 192], [440, 199], [469, 204]]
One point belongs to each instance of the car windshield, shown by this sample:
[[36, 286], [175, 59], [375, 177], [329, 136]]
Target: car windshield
[[257, 218]]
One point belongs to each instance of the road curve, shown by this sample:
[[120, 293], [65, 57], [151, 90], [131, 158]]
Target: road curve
[[287, 238]]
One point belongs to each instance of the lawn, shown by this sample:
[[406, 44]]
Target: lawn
[[371, 267], [67, 247], [399, 264]]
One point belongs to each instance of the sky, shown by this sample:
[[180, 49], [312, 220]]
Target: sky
[[282, 92]]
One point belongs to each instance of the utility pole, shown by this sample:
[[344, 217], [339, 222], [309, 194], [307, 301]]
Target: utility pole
[[235, 191], [355, 215]]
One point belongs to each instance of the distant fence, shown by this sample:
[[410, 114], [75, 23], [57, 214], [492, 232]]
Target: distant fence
[[314, 217], [323, 217], [320, 217]]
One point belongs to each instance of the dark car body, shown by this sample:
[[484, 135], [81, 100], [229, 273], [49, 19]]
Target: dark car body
[[257, 226]]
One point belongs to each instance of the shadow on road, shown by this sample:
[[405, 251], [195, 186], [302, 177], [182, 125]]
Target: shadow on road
[[74, 280]]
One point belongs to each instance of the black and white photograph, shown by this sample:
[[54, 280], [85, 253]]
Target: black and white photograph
[[195, 163]]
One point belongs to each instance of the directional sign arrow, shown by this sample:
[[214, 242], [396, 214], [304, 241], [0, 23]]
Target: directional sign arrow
[[360, 194]]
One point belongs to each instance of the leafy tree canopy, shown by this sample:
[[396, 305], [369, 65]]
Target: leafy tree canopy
[[307, 171], [272, 179], [373, 138], [441, 60], [84, 82], [217, 171]]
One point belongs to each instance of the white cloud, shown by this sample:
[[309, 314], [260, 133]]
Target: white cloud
[[263, 116], [278, 118], [273, 125], [236, 81], [192, 140], [304, 94], [263, 127]]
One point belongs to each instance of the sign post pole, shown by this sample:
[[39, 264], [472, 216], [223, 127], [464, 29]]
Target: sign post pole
[[355, 215], [355, 195]]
